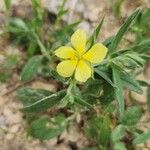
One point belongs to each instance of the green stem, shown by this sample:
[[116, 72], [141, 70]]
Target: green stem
[[72, 84], [42, 47]]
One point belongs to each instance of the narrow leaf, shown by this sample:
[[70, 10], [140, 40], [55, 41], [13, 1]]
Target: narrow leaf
[[95, 34], [129, 82], [83, 102], [118, 90], [122, 31], [119, 146], [118, 133], [142, 138], [132, 115], [105, 76]]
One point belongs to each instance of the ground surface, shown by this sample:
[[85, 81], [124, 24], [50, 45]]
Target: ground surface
[[13, 134]]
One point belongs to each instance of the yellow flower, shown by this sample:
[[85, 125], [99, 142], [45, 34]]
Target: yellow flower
[[77, 60]]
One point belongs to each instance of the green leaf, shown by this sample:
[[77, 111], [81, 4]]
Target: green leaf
[[107, 96], [124, 61], [146, 57], [56, 76], [105, 76], [98, 130], [64, 102], [108, 41], [18, 24], [91, 91], [46, 128], [29, 96], [146, 84], [119, 146], [116, 5], [122, 31], [93, 88], [129, 82], [118, 133], [105, 130], [45, 103], [7, 4], [95, 34], [143, 83], [118, 90], [132, 115], [31, 68], [136, 58], [82, 102], [143, 46], [142, 138]]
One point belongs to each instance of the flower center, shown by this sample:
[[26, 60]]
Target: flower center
[[77, 57]]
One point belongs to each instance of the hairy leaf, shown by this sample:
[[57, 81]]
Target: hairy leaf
[[122, 31], [31, 68], [45, 103]]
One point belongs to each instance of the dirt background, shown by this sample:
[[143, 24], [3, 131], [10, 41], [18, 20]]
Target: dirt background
[[13, 135]]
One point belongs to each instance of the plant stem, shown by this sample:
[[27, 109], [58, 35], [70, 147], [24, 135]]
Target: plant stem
[[43, 49]]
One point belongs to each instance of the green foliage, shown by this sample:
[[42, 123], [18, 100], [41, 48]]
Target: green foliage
[[132, 115], [93, 100], [119, 146], [31, 68], [7, 4], [118, 90], [142, 138], [44, 103], [95, 34], [118, 133], [142, 26], [8, 66], [122, 31], [98, 129], [47, 128], [37, 11], [129, 82], [116, 6], [29, 96], [105, 75]]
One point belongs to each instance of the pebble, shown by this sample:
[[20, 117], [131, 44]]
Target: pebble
[[2, 121], [12, 118], [43, 85], [9, 136], [14, 128], [85, 25]]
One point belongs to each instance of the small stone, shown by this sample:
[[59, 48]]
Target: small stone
[[2, 101], [11, 117], [43, 85], [2, 121], [9, 136], [85, 25], [93, 16], [14, 128]]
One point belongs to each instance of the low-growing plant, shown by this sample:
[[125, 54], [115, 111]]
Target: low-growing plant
[[93, 78]]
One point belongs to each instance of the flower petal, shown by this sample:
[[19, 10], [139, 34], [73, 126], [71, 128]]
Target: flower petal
[[96, 54], [66, 68], [78, 40], [83, 71], [65, 52]]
